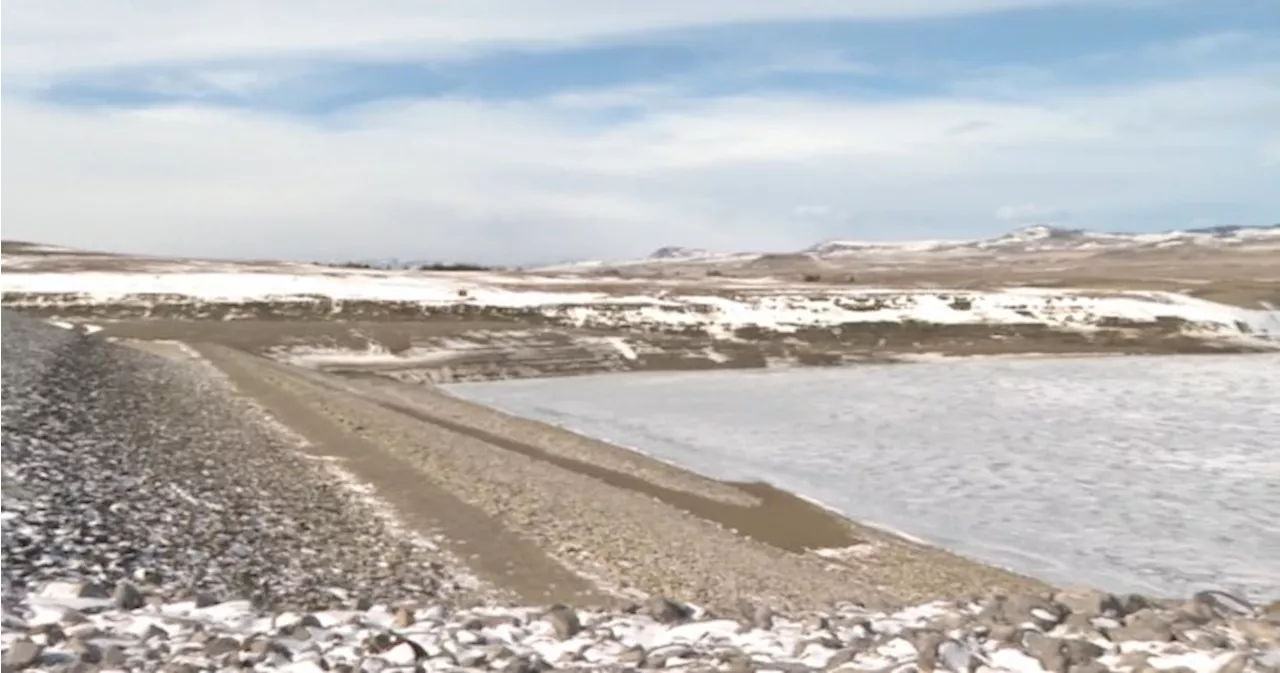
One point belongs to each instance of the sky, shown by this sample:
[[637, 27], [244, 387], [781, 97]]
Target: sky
[[540, 131]]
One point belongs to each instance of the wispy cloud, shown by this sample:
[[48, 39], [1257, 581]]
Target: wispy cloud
[[554, 129], [58, 35]]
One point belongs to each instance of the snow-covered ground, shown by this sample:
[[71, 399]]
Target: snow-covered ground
[[1154, 474], [779, 307]]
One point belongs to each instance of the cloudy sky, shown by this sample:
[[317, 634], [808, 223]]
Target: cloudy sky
[[525, 131]]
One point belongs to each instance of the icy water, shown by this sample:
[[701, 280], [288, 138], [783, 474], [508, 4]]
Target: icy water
[[1150, 474]]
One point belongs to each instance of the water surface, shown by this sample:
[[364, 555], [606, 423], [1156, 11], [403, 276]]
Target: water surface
[[1151, 474]]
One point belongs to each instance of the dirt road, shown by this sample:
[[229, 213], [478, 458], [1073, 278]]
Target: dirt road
[[549, 517]]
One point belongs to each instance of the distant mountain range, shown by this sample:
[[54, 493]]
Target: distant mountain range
[[1028, 239], [1033, 239], [1047, 238], [1043, 239]]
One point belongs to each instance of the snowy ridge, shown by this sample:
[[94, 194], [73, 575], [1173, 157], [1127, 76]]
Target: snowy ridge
[[1040, 238], [778, 306], [1033, 239], [677, 252]]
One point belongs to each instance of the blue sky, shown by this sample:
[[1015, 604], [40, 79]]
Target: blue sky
[[542, 130]]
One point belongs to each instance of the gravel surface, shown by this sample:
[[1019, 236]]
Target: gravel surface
[[630, 537], [628, 542], [120, 465], [578, 447]]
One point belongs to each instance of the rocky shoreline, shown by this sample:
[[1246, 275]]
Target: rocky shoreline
[[79, 627]]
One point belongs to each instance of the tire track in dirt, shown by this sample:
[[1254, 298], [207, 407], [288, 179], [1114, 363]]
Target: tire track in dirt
[[496, 554]]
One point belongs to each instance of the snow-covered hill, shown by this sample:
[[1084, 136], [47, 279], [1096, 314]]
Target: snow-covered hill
[[1040, 238], [1028, 240]]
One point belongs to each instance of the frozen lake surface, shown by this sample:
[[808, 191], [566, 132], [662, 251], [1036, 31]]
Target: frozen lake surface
[[1150, 474]]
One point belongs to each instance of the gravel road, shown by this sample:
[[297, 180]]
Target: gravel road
[[626, 533]]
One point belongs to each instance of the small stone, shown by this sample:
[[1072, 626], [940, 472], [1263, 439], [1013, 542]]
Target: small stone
[[1054, 662], [127, 596], [762, 618], [84, 632], [220, 646], [816, 622], [1193, 612], [634, 656], [1042, 647], [957, 657], [146, 576], [22, 654], [666, 610], [950, 621], [405, 652], [1080, 652], [154, 632], [1257, 631], [472, 659], [363, 603], [1090, 602], [74, 617], [1079, 622], [297, 631], [841, 658], [404, 618], [261, 646], [1131, 603], [1235, 664], [529, 664], [114, 657], [47, 634], [926, 644], [740, 662], [564, 620], [64, 590], [1150, 633], [309, 666], [86, 651], [205, 599], [1136, 660], [1091, 667], [1224, 605], [1039, 611], [1146, 625], [1202, 640], [993, 611], [1002, 634], [311, 621]]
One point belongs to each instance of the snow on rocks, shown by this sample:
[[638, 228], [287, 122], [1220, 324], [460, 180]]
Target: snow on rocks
[[993, 634], [128, 478]]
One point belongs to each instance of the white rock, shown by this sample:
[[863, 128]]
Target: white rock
[[400, 655]]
